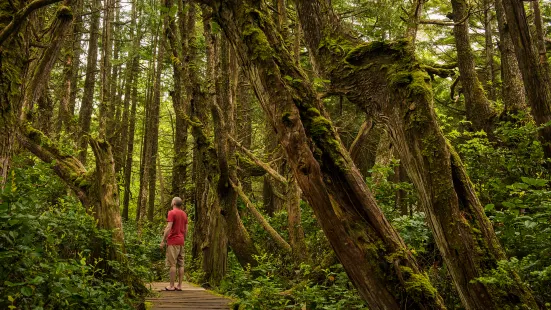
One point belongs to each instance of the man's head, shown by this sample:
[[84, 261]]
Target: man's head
[[177, 202]]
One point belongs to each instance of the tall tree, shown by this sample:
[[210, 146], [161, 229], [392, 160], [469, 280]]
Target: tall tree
[[461, 230], [513, 88], [153, 134], [87, 104], [332, 185], [129, 114], [479, 109], [537, 82]]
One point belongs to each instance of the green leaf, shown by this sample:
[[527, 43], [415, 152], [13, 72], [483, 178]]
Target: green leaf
[[26, 291], [489, 207], [37, 280], [534, 182]]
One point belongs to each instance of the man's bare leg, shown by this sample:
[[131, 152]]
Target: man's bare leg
[[180, 277], [172, 276]]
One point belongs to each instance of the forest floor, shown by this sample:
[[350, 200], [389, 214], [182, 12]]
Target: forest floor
[[190, 297]]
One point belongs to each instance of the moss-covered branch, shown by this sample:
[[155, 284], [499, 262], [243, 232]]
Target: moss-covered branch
[[18, 18]]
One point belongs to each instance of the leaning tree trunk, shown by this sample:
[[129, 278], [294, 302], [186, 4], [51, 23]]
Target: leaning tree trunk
[[512, 91], [479, 110], [537, 82], [373, 254], [385, 78], [97, 190]]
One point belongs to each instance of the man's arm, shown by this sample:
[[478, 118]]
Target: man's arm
[[167, 231]]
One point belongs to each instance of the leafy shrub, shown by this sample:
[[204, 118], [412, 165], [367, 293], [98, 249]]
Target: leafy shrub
[[46, 245], [265, 287]]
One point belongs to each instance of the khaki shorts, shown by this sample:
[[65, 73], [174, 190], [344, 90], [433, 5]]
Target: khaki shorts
[[175, 256]]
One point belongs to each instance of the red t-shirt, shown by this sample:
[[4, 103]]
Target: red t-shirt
[[177, 234]]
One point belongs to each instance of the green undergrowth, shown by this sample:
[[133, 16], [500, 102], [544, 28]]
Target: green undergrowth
[[49, 246]]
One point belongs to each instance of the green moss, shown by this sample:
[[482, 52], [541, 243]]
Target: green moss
[[258, 41], [419, 287]]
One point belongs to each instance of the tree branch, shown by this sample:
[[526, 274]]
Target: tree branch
[[261, 220], [257, 161], [362, 135], [447, 23], [18, 18], [67, 167]]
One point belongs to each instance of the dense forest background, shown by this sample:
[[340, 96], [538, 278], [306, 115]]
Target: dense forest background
[[332, 154]]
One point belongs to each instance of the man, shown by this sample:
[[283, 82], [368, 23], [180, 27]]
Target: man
[[175, 236]]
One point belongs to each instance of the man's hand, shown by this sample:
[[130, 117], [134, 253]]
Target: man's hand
[[162, 244]]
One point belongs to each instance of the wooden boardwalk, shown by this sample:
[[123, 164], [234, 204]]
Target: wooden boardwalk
[[190, 297]]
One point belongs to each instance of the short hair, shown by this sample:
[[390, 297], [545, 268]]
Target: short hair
[[177, 201]]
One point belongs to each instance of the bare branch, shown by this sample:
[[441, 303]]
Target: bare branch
[[257, 161], [261, 220]]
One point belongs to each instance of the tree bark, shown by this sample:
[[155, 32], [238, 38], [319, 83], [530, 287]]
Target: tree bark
[[371, 251], [385, 78], [296, 232], [87, 105], [105, 69], [179, 166], [97, 190], [537, 82], [512, 91], [41, 74], [479, 110], [540, 36], [130, 148], [414, 19], [489, 50], [70, 76], [153, 133], [222, 109]]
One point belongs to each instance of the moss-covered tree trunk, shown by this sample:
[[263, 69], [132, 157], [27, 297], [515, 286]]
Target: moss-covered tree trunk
[[97, 190], [512, 91], [370, 250], [479, 110], [70, 74], [12, 64], [385, 78]]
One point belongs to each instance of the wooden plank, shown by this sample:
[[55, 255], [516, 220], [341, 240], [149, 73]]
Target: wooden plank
[[190, 297]]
